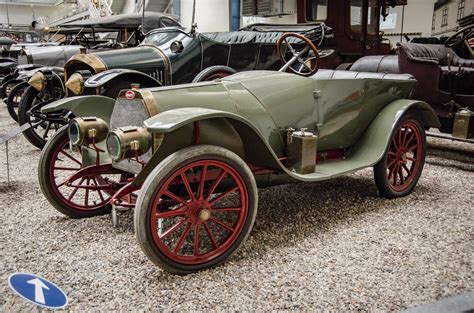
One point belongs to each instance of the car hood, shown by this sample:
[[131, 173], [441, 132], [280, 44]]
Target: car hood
[[49, 56], [146, 59]]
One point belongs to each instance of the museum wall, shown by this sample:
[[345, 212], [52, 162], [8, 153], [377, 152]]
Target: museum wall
[[22, 14], [211, 15]]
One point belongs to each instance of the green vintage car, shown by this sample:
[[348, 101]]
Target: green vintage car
[[189, 158]]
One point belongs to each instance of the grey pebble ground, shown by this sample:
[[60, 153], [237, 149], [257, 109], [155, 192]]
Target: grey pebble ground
[[330, 245]]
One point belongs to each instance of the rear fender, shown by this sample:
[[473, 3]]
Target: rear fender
[[97, 106], [191, 126], [49, 73], [376, 139], [114, 75]]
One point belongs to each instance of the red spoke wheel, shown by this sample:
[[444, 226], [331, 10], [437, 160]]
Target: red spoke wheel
[[84, 197], [195, 209], [397, 173]]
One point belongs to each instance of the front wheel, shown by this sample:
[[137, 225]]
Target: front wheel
[[195, 209], [14, 99], [86, 196], [28, 113], [397, 173]]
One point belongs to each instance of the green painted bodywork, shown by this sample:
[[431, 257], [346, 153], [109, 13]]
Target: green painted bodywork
[[142, 58], [97, 106], [250, 112]]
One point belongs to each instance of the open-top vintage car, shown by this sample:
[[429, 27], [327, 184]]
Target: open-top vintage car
[[189, 158], [167, 56]]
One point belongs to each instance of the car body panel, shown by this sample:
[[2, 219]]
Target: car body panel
[[97, 106], [48, 56], [366, 152]]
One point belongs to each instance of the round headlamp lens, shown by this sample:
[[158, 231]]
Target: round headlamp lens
[[74, 133], [113, 146]]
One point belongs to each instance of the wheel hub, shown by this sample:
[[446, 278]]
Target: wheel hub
[[199, 211], [204, 215], [404, 158]]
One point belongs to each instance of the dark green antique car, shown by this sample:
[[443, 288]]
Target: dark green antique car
[[167, 56], [189, 158]]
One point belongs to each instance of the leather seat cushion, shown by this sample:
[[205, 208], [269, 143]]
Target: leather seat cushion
[[377, 63], [436, 53], [332, 74], [231, 37]]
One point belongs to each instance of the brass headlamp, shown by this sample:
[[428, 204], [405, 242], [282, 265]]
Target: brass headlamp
[[86, 130], [38, 81], [128, 142], [75, 83]]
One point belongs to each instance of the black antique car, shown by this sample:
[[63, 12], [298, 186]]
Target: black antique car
[[167, 56], [445, 79], [97, 34]]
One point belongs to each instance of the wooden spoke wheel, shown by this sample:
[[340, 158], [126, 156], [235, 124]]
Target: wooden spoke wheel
[[29, 113], [81, 198], [400, 168], [195, 209]]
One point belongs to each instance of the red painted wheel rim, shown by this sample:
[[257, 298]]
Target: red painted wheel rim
[[193, 227], [404, 156], [83, 198]]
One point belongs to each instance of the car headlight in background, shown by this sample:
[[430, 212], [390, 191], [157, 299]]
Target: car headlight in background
[[38, 81], [75, 83], [128, 142], [85, 130]]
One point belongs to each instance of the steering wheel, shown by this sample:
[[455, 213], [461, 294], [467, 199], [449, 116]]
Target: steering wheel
[[309, 64], [450, 44]]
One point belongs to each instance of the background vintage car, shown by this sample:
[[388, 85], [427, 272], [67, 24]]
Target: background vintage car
[[98, 34], [198, 152], [166, 57], [445, 79]]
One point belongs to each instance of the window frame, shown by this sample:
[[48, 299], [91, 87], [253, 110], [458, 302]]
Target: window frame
[[461, 9], [444, 19]]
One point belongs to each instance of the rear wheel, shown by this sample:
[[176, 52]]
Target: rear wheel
[[397, 173], [29, 110], [214, 72], [14, 99], [195, 209]]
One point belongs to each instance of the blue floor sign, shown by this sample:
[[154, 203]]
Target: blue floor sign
[[38, 290]]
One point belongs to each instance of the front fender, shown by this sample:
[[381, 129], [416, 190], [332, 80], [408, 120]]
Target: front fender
[[97, 106], [131, 76]]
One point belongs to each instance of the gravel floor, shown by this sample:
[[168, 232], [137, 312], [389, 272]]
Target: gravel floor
[[333, 245]]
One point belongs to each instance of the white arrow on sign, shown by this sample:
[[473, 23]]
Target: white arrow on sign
[[39, 286]]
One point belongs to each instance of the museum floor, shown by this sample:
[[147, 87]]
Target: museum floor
[[334, 245]]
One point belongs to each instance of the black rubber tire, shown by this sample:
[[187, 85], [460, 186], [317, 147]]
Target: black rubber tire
[[25, 104], [213, 72], [380, 169], [46, 184], [159, 175], [13, 107]]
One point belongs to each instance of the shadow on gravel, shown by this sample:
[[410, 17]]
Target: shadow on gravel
[[461, 158], [12, 187]]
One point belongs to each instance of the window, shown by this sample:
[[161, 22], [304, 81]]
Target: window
[[357, 7], [444, 20], [433, 22], [316, 10], [461, 6]]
